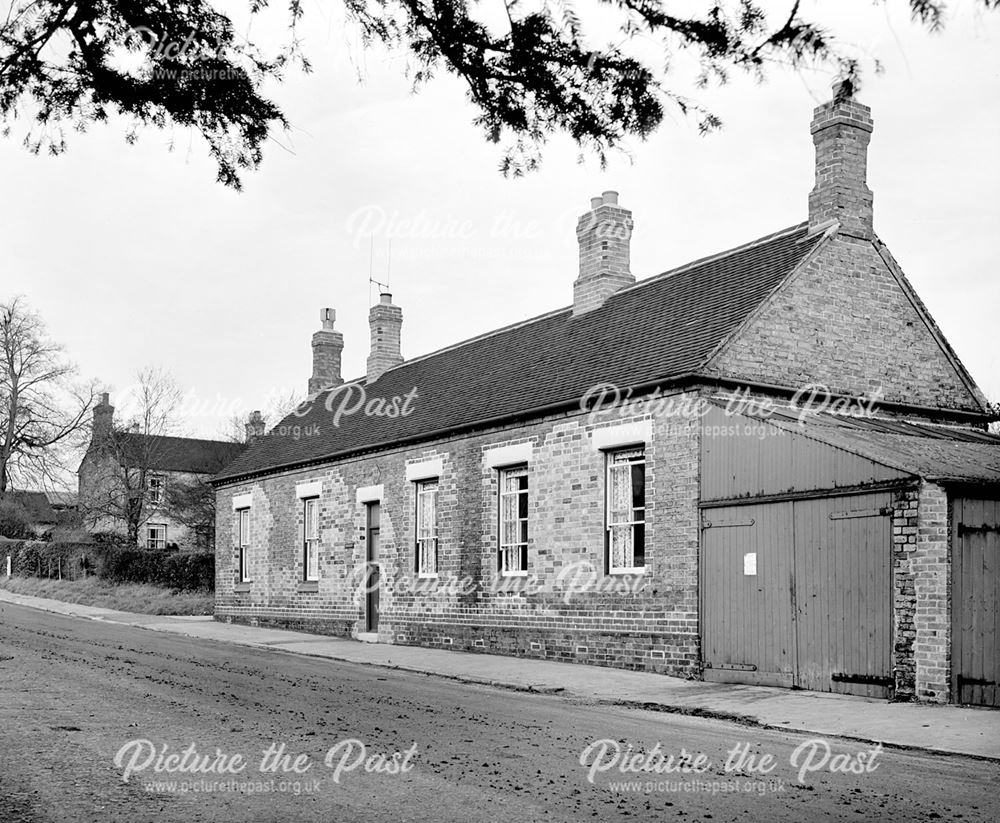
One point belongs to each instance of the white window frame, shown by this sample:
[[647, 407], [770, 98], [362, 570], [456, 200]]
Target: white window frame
[[512, 559], [155, 495], [156, 542], [310, 542], [426, 536], [243, 543], [618, 460]]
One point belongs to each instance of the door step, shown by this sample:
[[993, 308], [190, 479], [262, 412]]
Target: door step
[[368, 637]]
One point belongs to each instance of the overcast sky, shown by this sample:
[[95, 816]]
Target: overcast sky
[[136, 256]]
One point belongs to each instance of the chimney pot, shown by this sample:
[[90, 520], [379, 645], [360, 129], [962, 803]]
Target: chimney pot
[[609, 198], [595, 202], [385, 298]]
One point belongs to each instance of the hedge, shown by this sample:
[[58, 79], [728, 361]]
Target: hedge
[[185, 571]]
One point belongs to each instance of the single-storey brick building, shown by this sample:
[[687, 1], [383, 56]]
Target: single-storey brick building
[[767, 466]]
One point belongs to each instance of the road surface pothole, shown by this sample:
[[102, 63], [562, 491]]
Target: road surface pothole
[[65, 728]]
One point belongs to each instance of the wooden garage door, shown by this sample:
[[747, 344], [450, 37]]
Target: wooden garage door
[[843, 594], [747, 630], [799, 594], [975, 601]]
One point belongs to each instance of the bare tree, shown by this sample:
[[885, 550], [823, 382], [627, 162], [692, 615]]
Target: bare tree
[[43, 412], [123, 459], [192, 504]]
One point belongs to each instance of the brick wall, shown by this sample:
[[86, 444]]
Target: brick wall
[[932, 586], [468, 607], [845, 322], [904, 547]]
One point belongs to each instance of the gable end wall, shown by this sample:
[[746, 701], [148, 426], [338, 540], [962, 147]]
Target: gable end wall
[[844, 321]]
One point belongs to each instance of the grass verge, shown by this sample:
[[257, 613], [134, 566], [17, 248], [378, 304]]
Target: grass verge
[[127, 597]]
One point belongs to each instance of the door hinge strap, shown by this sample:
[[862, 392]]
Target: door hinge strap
[[864, 679], [727, 524], [963, 529], [851, 515]]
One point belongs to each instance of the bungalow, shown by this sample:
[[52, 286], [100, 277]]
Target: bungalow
[[766, 466]]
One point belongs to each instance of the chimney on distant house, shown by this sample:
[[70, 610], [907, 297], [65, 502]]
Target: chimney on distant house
[[841, 130], [327, 346], [104, 417], [604, 234], [254, 426], [385, 321]]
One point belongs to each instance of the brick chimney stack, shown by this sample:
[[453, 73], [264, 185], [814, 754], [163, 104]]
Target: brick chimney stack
[[385, 321], [604, 234], [327, 346], [254, 426], [841, 130], [104, 418]]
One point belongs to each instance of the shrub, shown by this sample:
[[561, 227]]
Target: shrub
[[189, 571], [133, 566], [183, 571], [14, 521]]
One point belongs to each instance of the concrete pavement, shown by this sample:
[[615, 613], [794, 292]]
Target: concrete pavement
[[951, 729]]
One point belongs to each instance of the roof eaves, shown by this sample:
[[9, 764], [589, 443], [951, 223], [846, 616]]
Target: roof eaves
[[223, 479]]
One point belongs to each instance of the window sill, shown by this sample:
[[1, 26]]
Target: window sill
[[514, 574], [241, 588], [636, 570], [308, 586], [426, 576]]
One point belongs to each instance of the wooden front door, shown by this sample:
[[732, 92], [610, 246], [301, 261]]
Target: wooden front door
[[373, 517]]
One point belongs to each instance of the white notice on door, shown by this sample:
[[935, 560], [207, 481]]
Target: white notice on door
[[750, 563]]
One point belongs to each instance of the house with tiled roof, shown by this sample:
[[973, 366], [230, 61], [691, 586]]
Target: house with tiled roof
[[766, 466], [151, 483]]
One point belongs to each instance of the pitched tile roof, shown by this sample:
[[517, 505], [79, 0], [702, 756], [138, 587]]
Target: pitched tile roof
[[661, 328], [40, 508], [182, 454]]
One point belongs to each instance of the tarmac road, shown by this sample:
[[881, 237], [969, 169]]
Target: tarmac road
[[77, 694]]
